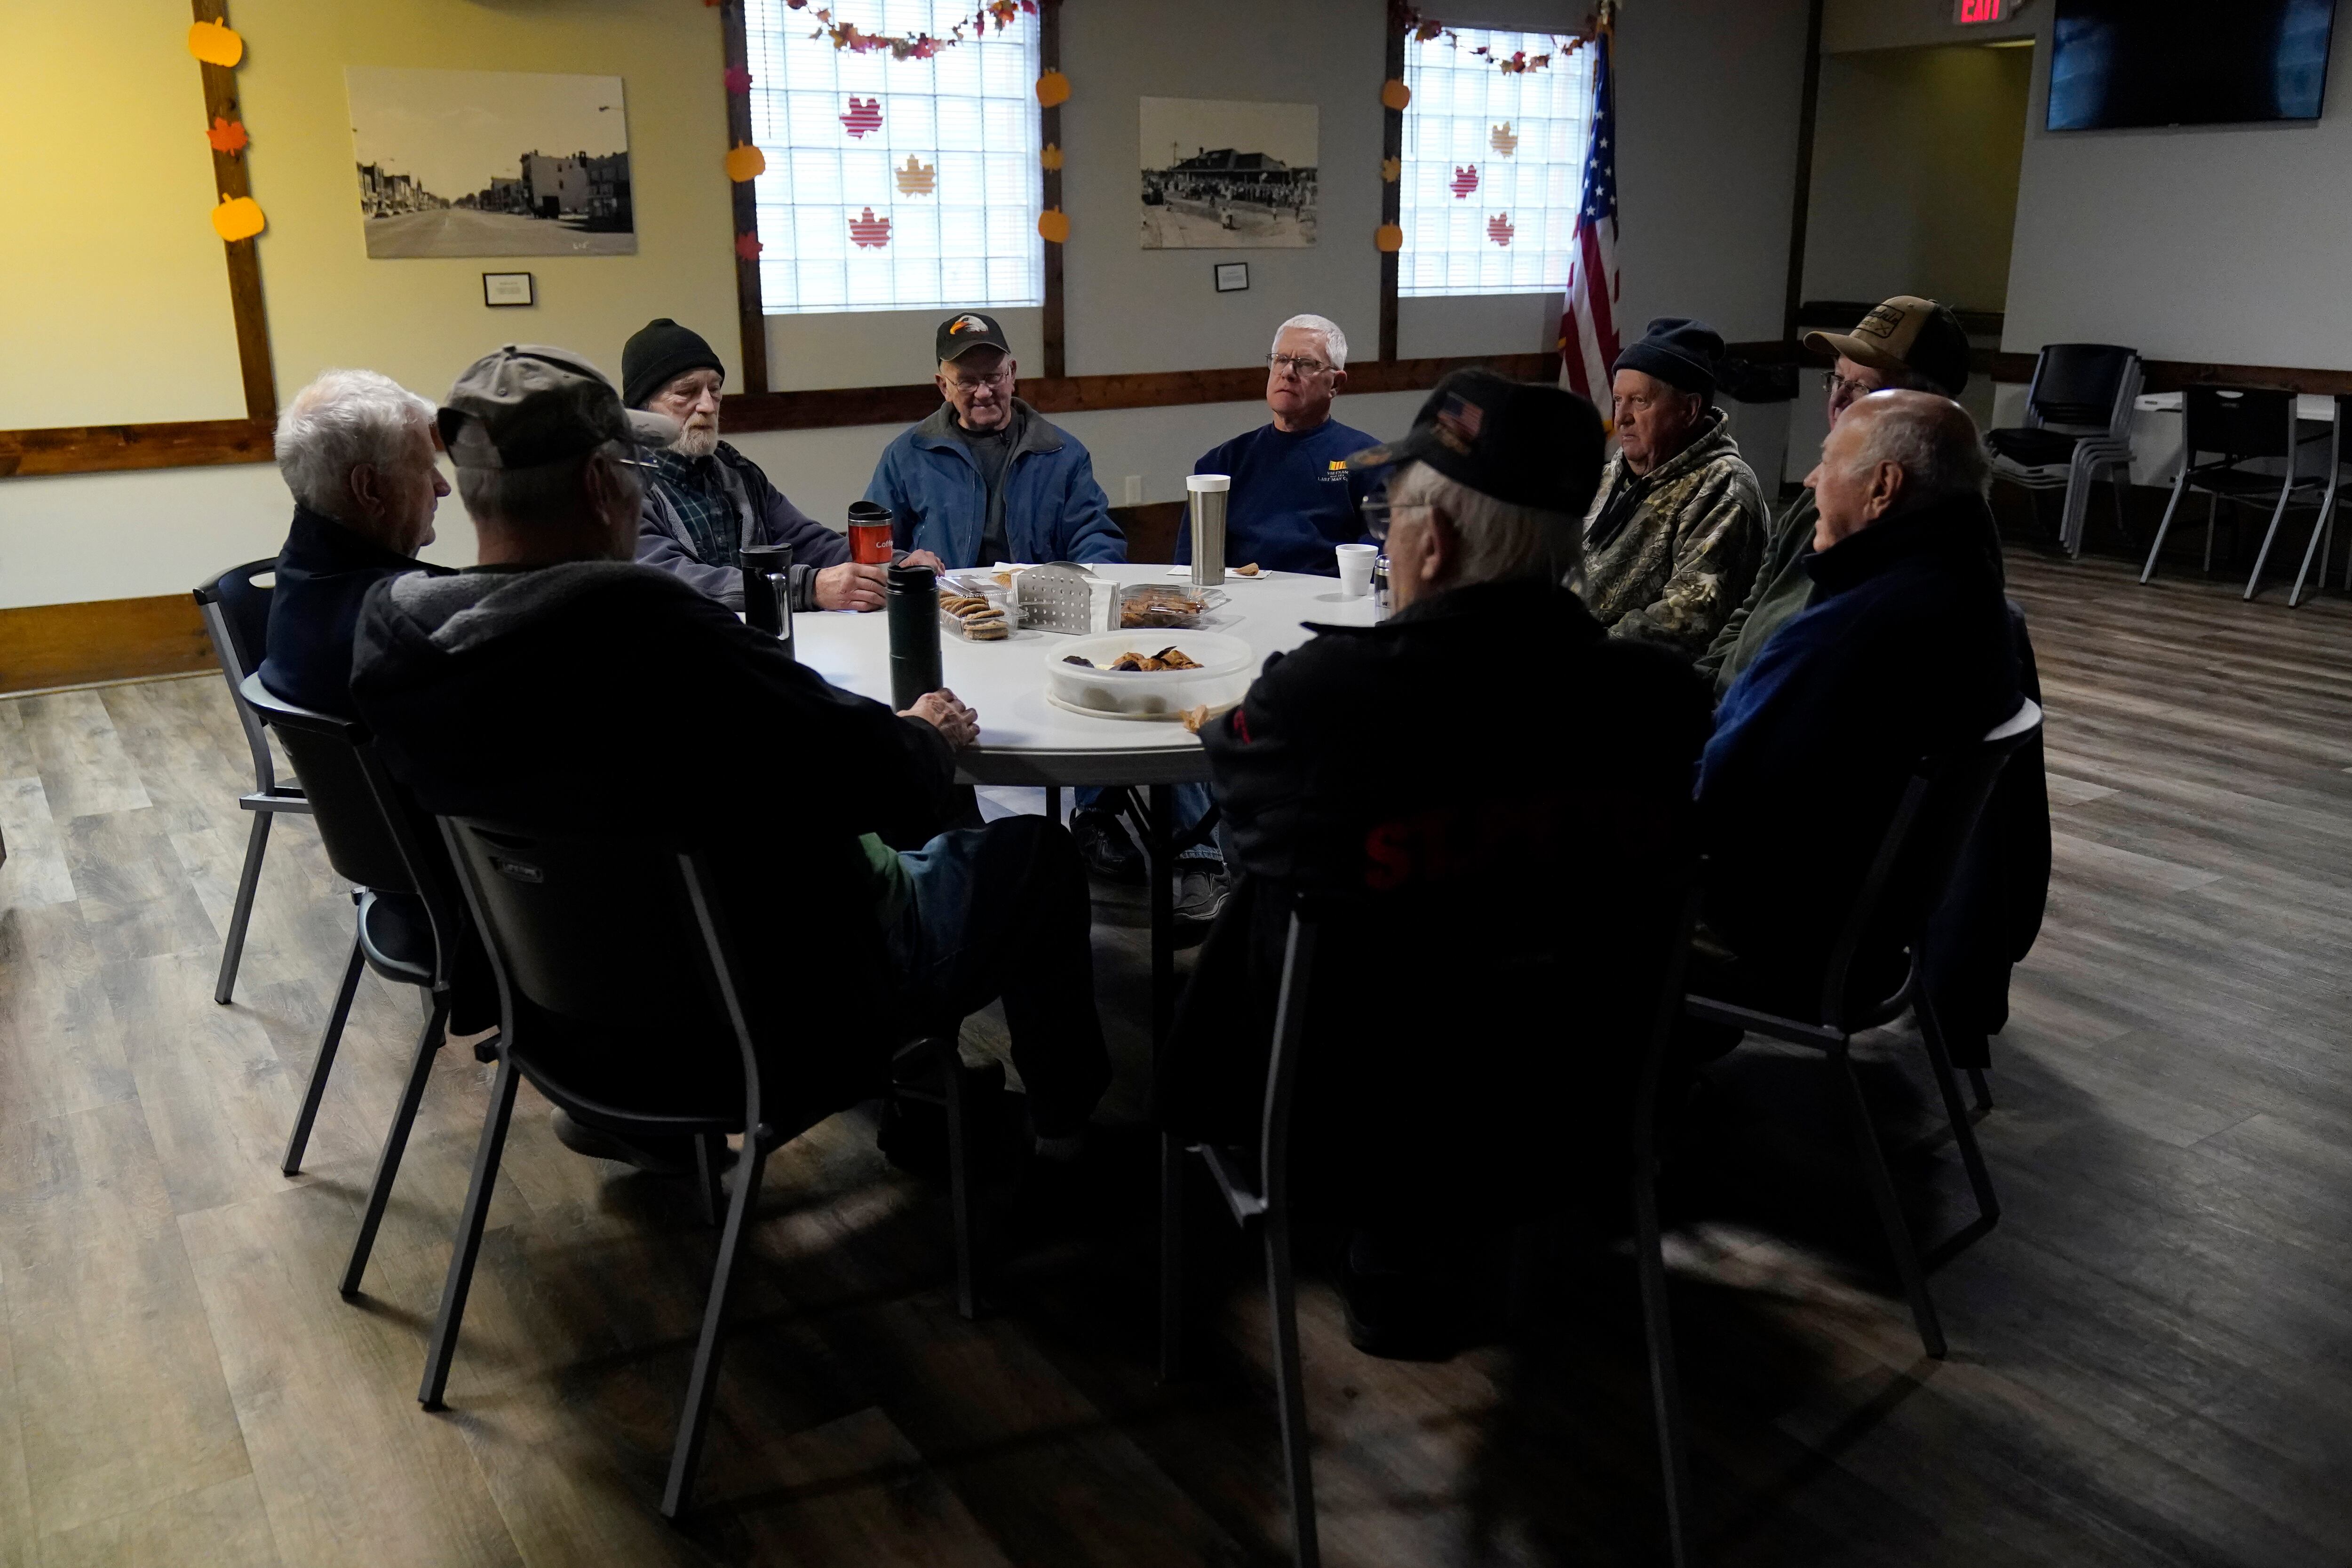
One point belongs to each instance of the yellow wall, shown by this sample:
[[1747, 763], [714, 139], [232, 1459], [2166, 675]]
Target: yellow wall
[[117, 294], [113, 294]]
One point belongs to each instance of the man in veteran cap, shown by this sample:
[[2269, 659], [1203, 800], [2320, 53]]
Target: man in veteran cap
[[558, 684], [1674, 535], [1442, 771]]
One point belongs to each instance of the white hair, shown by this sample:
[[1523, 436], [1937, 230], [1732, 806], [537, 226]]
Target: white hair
[[1499, 539], [340, 420], [1935, 445], [1334, 342]]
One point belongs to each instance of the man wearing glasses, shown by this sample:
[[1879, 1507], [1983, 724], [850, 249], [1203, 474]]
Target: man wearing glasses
[[1908, 344], [1294, 497], [987, 478]]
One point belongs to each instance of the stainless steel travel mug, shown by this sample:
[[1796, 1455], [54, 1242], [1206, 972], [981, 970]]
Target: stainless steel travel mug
[[1208, 493]]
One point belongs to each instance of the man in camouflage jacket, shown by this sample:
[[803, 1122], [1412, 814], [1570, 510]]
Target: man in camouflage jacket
[[1672, 540]]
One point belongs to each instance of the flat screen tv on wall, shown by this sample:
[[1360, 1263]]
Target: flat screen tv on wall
[[2115, 63]]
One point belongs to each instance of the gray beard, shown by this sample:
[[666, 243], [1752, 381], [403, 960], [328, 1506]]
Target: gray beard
[[696, 443]]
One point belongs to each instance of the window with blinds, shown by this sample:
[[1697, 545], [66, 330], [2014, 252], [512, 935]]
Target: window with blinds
[[892, 183], [1494, 164]]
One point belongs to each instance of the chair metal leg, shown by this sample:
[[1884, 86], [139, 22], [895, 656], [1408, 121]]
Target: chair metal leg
[[1290, 1392], [706, 1185], [2323, 529], [468, 1239], [1665, 1385], [324, 1062], [1964, 1133], [2179, 487], [2278, 512], [694, 1426], [2212, 512], [2121, 483], [1171, 1258], [953, 1089], [247, 880], [396, 1141], [1890, 1206], [1980, 1088]]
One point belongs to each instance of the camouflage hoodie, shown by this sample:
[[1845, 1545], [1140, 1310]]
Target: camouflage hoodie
[[1675, 571]]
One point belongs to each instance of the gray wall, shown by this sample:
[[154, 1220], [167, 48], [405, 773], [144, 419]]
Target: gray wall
[[1916, 157]]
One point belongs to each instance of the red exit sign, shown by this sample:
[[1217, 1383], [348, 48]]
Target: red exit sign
[[1971, 13]]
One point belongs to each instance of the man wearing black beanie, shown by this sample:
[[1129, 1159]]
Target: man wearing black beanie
[[1674, 535], [705, 502]]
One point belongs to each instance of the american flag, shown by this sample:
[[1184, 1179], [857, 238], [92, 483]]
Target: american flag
[[1588, 329]]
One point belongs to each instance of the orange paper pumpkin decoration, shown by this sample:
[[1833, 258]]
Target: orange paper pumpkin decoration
[[1388, 238], [1395, 94], [746, 163], [215, 44], [1051, 157], [1052, 88], [238, 219], [1054, 226]]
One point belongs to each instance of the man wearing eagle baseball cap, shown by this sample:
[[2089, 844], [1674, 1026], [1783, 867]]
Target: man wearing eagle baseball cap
[[1908, 344], [987, 477], [559, 683], [1490, 749]]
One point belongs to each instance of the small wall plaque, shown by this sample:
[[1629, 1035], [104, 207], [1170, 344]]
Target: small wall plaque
[[507, 289], [1232, 277]]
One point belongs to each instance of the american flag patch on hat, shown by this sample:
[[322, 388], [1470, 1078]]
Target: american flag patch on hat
[[1458, 421]]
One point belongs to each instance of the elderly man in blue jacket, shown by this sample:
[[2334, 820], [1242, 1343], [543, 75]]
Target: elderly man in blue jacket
[[987, 477]]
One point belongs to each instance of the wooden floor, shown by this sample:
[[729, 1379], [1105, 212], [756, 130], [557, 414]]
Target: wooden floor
[[2152, 1355]]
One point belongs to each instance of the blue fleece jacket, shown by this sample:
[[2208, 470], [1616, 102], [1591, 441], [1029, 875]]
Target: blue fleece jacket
[[1291, 501], [1054, 510]]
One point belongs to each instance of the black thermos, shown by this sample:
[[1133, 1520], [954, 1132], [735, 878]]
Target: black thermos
[[768, 590], [912, 604]]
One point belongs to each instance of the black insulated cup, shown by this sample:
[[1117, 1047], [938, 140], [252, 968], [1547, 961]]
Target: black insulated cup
[[911, 602], [768, 590]]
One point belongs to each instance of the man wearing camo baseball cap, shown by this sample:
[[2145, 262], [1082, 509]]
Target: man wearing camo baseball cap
[[1908, 344]]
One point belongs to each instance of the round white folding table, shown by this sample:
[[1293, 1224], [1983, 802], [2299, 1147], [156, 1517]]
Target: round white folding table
[[1027, 741]]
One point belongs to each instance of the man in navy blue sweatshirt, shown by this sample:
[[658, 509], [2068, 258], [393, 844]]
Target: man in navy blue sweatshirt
[[1905, 652], [1292, 499]]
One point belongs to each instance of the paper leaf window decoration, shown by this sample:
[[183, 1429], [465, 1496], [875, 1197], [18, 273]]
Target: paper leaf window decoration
[[735, 80], [1464, 181], [870, 232], [1050, 158], [748, 247], [1504, 140], [916, 178], [228, 135], [863, 116], [1391, 170], [1499, 229]]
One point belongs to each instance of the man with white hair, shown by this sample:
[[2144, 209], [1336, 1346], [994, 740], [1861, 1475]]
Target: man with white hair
[[1294, 495], [1485, 768], [1905, 652], [357, 450]]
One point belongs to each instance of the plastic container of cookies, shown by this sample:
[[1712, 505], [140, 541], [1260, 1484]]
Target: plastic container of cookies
[[1227, 667], [975, 608]]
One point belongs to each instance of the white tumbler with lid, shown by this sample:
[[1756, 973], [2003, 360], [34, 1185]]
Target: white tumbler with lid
[[1207, 493]]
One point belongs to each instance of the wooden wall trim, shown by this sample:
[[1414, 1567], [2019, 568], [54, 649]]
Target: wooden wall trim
[[106, 639], [233, 179], [1800, 211], [1391, 191], [1049, 134], [112, 448], [750, 314]]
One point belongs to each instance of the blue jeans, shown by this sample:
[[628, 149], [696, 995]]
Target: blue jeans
[[1193, 802], [1004, 911]]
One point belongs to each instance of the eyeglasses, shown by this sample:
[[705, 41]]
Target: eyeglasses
[[1302, 366], [1837, 386], [1379, 511], [974, 383]]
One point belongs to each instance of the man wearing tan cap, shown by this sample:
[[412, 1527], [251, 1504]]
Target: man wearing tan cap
[[1906, 344]]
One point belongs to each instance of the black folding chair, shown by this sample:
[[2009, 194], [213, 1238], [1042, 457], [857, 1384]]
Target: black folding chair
[[604, 946], [2323, 532], [410, 923], [235, 610], [1907, 879], [2233, 426], [2078, 414], [1257, 1185]]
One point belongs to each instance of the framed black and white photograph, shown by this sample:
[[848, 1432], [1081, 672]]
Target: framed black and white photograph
[[491, 163], [1221, 175], [1233, 276], [503, 288]]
